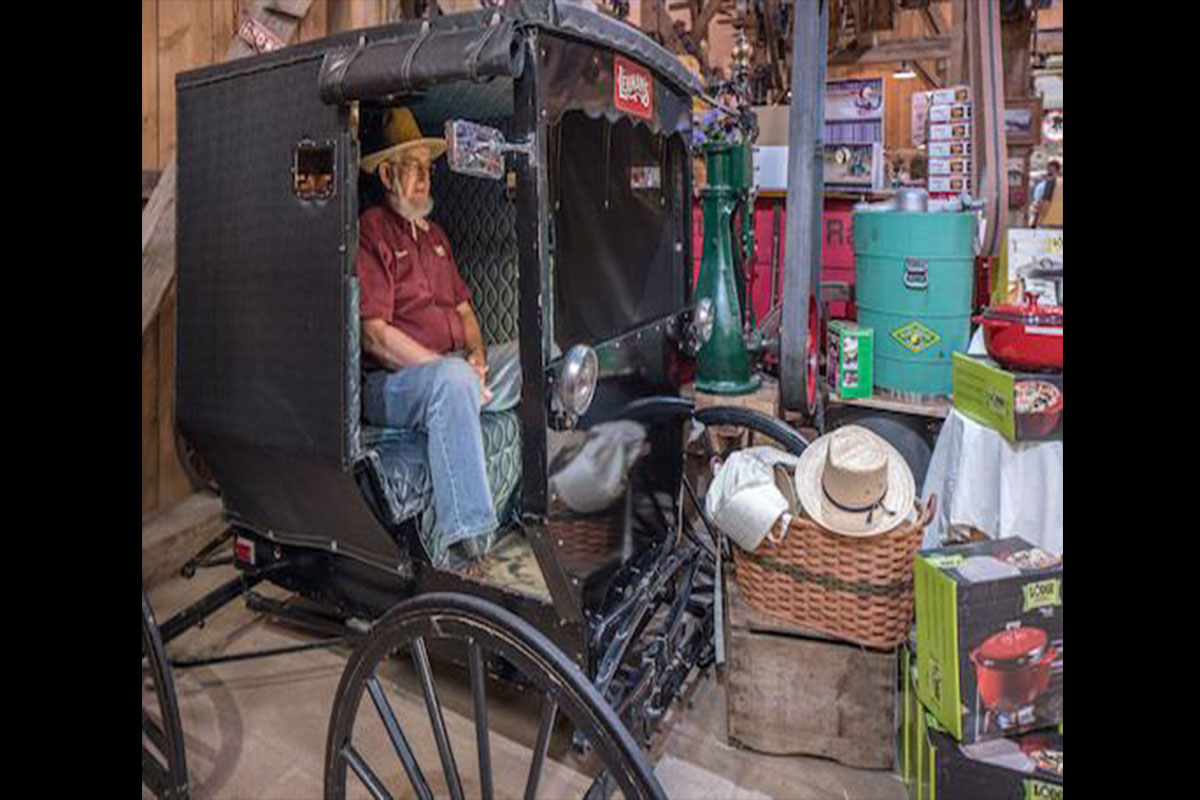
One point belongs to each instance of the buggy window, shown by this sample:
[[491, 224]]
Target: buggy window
[[312, 170], [619, 249]]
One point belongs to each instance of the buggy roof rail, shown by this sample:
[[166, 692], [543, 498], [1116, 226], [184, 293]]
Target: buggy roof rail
[[400, 57]]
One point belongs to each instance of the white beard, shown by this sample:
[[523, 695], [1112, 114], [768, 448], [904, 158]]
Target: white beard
[[410, 211]]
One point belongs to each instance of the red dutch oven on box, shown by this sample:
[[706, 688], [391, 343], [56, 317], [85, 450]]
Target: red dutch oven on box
[[1013, 668], [1028, 337]]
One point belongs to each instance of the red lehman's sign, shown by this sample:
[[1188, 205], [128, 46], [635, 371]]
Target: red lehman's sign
[[633, 88]]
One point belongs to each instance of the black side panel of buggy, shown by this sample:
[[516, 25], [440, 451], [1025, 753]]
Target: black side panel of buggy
[[264, 344]]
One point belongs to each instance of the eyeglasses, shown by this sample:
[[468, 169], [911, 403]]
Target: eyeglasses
[[412, 167]]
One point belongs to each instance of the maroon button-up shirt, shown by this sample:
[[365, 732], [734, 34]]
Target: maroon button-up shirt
[[409, 279]]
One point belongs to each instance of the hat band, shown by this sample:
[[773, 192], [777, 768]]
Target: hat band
[[870, 509]]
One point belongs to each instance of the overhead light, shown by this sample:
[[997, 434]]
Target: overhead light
[[905, 72]]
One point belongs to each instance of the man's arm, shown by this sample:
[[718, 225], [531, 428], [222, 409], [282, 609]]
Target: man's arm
[[476, 352], [392, 347]]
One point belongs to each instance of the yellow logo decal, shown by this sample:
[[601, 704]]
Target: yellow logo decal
[[915, 337]]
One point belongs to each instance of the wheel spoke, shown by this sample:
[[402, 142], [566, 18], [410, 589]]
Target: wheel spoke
[[154, 775], [421, 659], [151, 728], [365, 774], [602, 788], [411, 768], [549, 713], [479, 697]]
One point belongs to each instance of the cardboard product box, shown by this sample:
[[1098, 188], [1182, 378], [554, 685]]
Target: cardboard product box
[[849, 368], [990, 638], [954, 113], [1023, 406], [949, 184], [1027, 255], [951, 96], [954, 148], [935, 767], [920, 117], [950, 166]]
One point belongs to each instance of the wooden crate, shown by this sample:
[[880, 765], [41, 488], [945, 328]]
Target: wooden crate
[[795, 692], [764, 399]]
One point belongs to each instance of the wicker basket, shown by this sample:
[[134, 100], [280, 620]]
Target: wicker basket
[[586, 540], [858, 589]]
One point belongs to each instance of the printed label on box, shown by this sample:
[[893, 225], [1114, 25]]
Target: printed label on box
[[949, 113], [955, 94], [949, 166], [950, 149], [950, 130], [949, 184]]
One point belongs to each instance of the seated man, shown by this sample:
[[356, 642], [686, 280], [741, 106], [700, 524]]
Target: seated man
[[425, 365]]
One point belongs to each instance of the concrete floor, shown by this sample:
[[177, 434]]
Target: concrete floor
[[256, 729]]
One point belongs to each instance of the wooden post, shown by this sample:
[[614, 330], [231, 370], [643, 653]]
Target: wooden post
[[806, 126]]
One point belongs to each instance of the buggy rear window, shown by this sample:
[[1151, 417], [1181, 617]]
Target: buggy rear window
[[312, 170]]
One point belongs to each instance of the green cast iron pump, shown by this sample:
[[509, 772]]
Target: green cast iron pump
[[724, 363]]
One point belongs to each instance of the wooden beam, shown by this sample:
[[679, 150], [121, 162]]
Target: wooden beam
[[280, 23], [158, 243], [665, 26], [149, 181], [927, 75], [1016, 39], [700, 26], [172, 537], [928, 49], [931, 21]]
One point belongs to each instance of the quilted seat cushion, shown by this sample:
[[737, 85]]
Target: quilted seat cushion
[[481, 223], [404, 465]]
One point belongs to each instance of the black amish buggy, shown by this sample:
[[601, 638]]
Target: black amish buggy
[[566, 195]]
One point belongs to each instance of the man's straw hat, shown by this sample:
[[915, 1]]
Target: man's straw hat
[[851, 481], [399, 132]]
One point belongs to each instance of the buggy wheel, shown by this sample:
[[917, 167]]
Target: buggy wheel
[[164, 765], [758, 427], [483, 635]]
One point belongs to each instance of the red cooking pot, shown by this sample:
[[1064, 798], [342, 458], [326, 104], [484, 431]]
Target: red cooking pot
[[1028, 337], [1013, 668]]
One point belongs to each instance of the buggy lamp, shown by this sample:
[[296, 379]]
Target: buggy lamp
[[700, 327], [575, 381]]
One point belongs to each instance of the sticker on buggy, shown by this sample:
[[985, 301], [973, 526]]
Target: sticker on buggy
[[633, 88], [915, 337]]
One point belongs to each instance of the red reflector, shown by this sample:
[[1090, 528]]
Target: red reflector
[[243, 550]]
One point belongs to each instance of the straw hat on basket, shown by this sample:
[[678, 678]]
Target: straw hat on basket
[[399, 132], [852, 482]]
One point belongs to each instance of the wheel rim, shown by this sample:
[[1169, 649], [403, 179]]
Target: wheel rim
[[164, 765], [811, 355], [483, 631]]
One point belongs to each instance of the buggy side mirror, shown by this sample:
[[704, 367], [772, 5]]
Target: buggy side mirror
[[473, 149]]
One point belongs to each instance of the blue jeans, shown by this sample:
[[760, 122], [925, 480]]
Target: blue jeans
[[442, 400]]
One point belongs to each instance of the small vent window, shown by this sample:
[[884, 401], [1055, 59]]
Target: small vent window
[[312, 171]]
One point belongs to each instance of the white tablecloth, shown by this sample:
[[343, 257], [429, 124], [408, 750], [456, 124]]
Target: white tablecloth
[[1003, 489]]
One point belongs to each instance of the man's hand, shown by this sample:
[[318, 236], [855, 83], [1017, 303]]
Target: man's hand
[[478, 359]]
